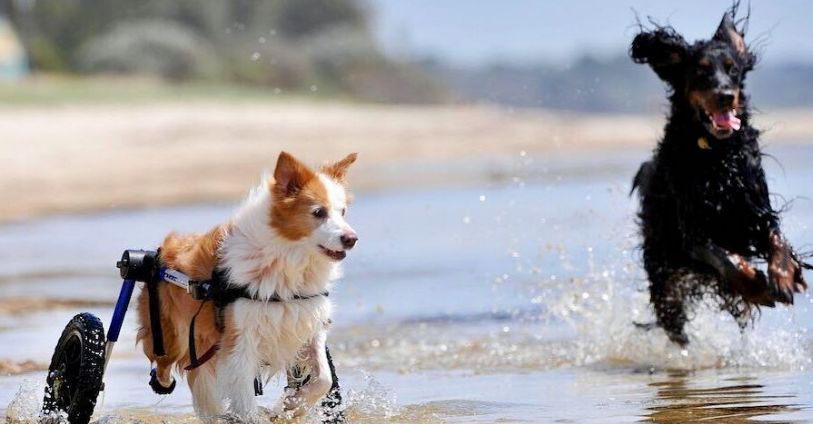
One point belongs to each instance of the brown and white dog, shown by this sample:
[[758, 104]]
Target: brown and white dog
[[284, 242]]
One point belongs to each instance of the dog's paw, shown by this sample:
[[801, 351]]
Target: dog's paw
[[159, 388], [751, 283]]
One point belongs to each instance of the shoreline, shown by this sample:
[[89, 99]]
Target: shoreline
[[83, 158]]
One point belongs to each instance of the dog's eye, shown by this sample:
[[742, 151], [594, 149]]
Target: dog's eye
[[704, 66], [320, 213]]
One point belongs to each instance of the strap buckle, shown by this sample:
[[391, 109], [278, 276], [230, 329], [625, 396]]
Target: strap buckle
[[200, 290]]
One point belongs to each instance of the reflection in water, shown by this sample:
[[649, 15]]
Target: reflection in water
[[737, 402]]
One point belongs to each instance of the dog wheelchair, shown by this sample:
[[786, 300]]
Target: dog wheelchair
[[76, 373]]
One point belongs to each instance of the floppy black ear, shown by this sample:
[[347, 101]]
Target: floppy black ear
[[664, 50]]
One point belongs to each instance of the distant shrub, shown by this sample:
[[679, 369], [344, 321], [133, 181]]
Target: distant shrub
[[294, 45], [46, 55], [339, 49], [302, 17], [349, 60], [156, 47], [275, 64]]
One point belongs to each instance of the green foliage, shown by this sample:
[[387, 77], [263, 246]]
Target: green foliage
[[45, 55], [150, 47], [287, 44], [302, 17]]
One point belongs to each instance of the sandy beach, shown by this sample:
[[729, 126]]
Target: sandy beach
[[73, 158]]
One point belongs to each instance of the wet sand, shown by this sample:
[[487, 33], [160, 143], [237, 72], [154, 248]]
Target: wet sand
[[74, 158]]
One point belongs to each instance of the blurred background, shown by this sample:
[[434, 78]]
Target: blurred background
[[521, 53], [498, 273]]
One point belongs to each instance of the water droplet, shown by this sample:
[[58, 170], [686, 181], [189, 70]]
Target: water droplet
[[482, 197], [466, 220], [255, 56], [261, 40], [314, 88]]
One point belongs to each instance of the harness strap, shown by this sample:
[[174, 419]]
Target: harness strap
[[218, 290], [193, 354], [333, 400], [155, 311]]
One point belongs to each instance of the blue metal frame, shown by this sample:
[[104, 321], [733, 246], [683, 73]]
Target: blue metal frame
[[121, 309]]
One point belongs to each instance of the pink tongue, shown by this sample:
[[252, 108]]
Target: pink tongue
[[726, 120]]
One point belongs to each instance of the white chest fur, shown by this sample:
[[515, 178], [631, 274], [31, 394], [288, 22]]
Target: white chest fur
[[272, 334]]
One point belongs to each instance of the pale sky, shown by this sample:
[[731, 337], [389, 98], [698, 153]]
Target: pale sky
[[482, 31]]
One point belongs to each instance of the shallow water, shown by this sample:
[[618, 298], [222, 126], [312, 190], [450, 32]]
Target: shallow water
[[511, 302]]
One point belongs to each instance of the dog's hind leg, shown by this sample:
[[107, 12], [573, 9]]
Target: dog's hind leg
[[668, 300]]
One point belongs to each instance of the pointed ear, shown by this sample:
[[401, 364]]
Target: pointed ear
[[290, 175], [728, 33], [664, 50], [338, 170]]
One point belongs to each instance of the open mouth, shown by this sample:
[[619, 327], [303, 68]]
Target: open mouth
[[722, 124], [333, 254]]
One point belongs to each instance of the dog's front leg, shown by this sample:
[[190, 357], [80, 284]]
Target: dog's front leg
[[235, 375], [784, 269], [315, 369], [741, 275]]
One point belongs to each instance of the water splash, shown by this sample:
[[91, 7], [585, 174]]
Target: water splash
[[603, 306], [25, 406], [373, 400]]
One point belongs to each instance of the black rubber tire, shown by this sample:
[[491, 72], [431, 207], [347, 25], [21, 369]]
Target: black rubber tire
[[76, 371]]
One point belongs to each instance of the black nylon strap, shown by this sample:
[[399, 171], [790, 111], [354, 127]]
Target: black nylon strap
[[193, 354], [155, 311], [217, 289], [332, 402], [223, 293]]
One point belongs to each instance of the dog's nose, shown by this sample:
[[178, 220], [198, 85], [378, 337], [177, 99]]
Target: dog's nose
[[349, 240], [726, 97]]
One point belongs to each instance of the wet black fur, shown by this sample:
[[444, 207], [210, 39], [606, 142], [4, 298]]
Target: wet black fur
[[692, 196]]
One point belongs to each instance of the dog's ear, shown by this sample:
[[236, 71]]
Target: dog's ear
[[727, 32], [664, 50], [338, 170], [290, 175]]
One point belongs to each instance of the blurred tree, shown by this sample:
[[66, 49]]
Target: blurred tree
[[289, 44], [302, 17]]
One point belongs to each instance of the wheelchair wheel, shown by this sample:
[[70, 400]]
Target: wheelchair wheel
[[76, 371]]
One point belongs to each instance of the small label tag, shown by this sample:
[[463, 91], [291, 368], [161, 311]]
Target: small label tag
[[175, 277]]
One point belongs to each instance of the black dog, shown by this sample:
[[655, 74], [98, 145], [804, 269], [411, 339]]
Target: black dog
[[705, 209]]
